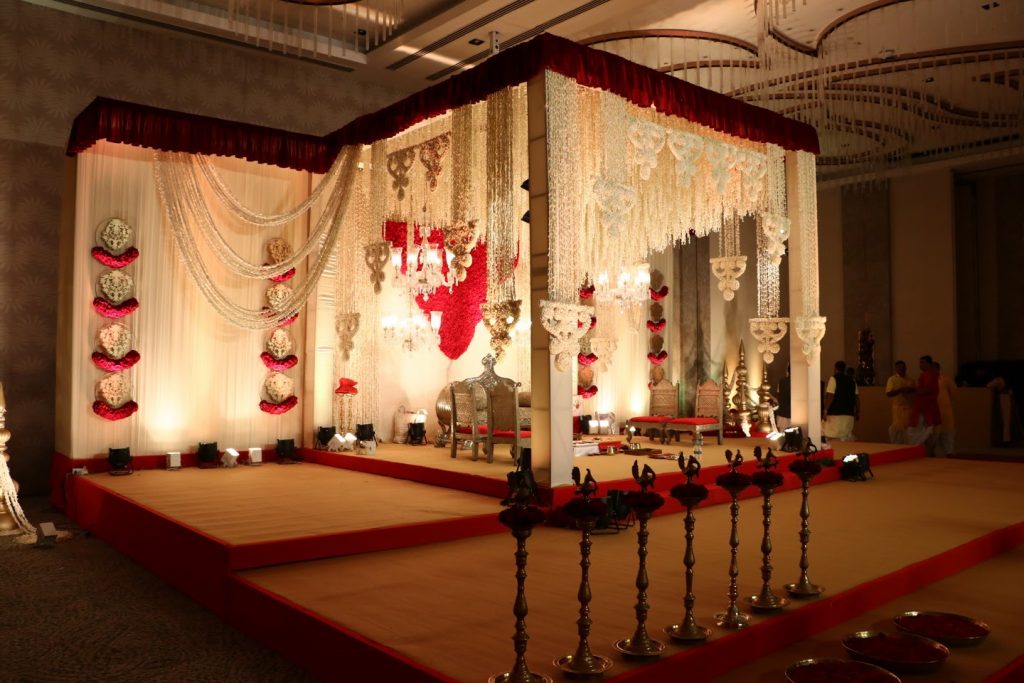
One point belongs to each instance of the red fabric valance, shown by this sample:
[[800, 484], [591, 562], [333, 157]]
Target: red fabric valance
[[172, 131], [594, 68], [144, 126]]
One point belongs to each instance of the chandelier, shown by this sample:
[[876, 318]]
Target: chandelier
[[630, 291], [414, 331], [424, 267]]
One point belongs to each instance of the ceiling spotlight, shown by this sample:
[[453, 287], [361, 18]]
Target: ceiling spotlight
[[929, 79], [989, 5], [476, 41], [361, 32]]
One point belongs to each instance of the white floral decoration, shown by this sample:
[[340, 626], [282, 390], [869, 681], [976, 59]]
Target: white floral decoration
[[279, 387], [115, 340], [278, 251], [279, 344], [278, 296], [115, 236], [116, 286], [114, 389]]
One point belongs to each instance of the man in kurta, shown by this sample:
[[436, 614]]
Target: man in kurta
[[947, 426], [900, 389], [842, 405]]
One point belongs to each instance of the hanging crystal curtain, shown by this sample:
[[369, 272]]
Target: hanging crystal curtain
[[357, 313], [502, 310], [186, 210]]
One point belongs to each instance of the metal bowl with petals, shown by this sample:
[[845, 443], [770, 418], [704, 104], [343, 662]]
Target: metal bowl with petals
[[952, 630], [838, 671], [899, 653]]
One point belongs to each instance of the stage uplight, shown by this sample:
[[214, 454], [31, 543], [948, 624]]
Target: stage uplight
[[120, 460], [286, 451], [46, 537], [207, 454], [174, 460], [255, 456], [324, 436], [776, 439], [794, 441], [230, 458]]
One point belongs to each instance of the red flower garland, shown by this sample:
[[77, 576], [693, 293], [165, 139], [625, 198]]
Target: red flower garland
[[104, 362], [659, 294], [109, 413], [112, 261], [587, 392], [286, 363], [657, 358], [656, 326], [109, 310], [279, 408], [586, 359], [587, 292], [268, 313], [347, 386], [285, 276]]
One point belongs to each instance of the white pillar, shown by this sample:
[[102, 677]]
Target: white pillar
[[805, 381], [552, 391]]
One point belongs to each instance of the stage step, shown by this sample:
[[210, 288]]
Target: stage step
[[443, 612]]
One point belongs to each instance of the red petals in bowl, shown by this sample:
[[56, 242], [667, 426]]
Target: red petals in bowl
[[903, 653], [952, 630], [837, 671]]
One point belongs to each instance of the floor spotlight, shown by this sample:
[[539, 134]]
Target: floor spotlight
[[336, 443], [230, 458], [120, 460], [794, 441], [174, 460], [46, 537], [255, 456], [207, 454], [286, 451], [324, 436]]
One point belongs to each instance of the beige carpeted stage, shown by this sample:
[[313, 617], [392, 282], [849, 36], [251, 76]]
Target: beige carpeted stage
[[448, 605], [603, 467], [989, 592], [271, 502]]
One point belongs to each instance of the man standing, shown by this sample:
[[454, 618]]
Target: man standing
[[947, 426], [842, 405], [925, 416], [900, 389]]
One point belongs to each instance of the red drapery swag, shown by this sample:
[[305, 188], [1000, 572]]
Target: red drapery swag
[[143, 126]]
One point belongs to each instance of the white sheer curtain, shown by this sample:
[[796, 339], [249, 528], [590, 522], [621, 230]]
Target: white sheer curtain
[[200, 378]]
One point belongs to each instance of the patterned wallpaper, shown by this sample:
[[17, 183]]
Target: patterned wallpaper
[[52, 64]]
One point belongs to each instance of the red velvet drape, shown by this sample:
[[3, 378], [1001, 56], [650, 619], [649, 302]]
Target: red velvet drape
[[173, 131], [144, 126], [595, 68]]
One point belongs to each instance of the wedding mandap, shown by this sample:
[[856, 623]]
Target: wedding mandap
[[234, 283]]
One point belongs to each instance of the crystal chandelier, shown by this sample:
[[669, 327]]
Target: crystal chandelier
[[630, 291], [424, 266], [415, 330]]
